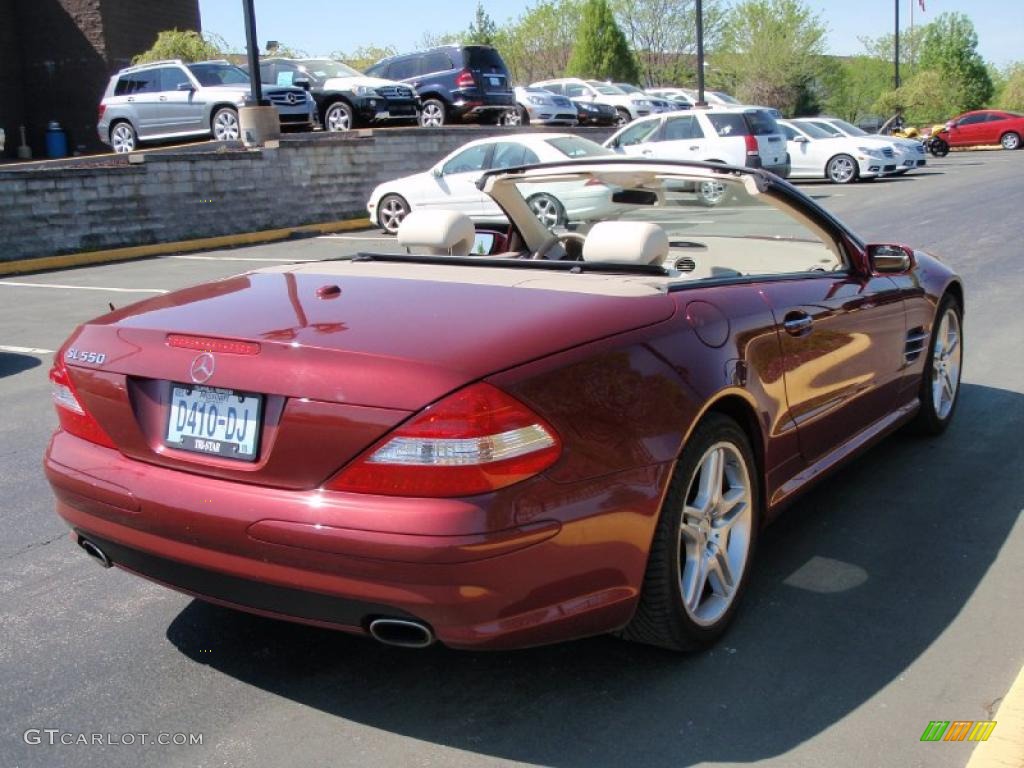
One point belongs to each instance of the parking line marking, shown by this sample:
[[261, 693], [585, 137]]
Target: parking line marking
[[355, 237], [240, 258], [25, 350], [82, 287]]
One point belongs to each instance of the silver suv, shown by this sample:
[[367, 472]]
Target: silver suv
[[171, 99]]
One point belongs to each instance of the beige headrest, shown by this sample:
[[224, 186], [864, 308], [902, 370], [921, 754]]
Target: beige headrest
[[439, 232], [626, 242]]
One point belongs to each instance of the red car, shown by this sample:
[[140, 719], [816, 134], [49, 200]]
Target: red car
[[985, 126], [504, 436]]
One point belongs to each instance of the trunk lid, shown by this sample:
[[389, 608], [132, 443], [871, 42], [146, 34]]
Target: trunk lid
[[345, 352]]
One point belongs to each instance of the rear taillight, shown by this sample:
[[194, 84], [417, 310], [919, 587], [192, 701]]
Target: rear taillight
[[594, 182], [102, 109], [74, 419], [751, 144], [464, 79], [474, 441]]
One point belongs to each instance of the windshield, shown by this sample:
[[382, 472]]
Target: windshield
[[218, 74], [325, 68], [723, 97], [628, 88], [606, 88], [812, 130], [849, 128], [574, 146]]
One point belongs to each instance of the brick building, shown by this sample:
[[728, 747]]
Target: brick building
[[57, 55]]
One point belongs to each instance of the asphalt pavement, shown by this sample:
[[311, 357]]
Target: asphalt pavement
[[888, 597]]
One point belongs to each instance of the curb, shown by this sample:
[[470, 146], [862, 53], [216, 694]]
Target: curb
[[112, 255], [1006, 747]]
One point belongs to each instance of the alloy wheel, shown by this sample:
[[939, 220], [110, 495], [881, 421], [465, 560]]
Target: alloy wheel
[[432, 115], [1010, 141], [122, 138], [393, 210], [946, 359], [842, 169], [547, 210], [715, 533], [225, 125], [711, 192], [338, 118], [512, 117]]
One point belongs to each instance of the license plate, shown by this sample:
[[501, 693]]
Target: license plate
[[216, 421], [495, 81]]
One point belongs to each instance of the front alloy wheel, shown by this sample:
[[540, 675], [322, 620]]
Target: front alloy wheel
[[225, 125], [339, 117], [940, 386], [711, 193], [1010, 140], [432, 114], [842, 169], [390, 212], [699, 561], [548, 210]]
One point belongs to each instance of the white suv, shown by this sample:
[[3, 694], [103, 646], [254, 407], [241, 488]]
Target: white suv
[[627, 106], [744, 137]]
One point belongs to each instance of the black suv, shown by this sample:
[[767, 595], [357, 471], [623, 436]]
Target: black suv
[[455, 83], [345, 97]]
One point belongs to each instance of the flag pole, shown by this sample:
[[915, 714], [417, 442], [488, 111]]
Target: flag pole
[[896, 54]]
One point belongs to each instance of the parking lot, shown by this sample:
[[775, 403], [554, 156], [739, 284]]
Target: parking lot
[[888, 597]]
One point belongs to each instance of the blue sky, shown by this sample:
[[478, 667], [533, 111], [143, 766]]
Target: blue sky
[[322, 26]]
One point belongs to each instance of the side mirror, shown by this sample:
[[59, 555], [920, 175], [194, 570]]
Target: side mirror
[[801, 139], [890, 258], [303, 83], [436, 172], [186, 87]]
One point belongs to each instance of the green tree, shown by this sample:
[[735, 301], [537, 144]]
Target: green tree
[[851, 86], [482, 30], [1011, 96], [184, 44], [924, 99], [601, 50], [537, 45], [771, 52], [365, 56], [883, 47], [663, 35], [950, 47]]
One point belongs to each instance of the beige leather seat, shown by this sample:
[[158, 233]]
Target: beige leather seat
[[437, 232], [626, 242]]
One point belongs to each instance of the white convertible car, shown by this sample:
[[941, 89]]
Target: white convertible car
[[451, 185], [814, 153]]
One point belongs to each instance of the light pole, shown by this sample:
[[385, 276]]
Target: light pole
[[896, 56], [253, 51], [700, 54]]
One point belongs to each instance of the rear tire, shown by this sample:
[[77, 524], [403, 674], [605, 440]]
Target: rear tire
[[938, 148], [123, 137], [1010, 140], [622, 116], [515, 117], [432, 114], [711, 193], [700, 558]]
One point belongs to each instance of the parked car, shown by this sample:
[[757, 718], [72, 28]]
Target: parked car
[[594, 113], [985, 126], [170, 100], [345, 97], [536, 105], [814, 153], [659, 104], [455, 83], [452, 183], [675, 96], [749, 138], [908, 153], [713, 98], [627, 107], [561, 438]]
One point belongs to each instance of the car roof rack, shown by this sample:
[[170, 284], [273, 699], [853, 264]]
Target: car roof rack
[[161, 63]]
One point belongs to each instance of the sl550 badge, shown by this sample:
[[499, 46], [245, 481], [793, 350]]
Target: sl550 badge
[[82, 356]]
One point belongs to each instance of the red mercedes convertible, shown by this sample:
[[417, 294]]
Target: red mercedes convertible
[[496, 435]]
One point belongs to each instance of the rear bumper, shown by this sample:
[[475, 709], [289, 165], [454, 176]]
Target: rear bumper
[[536, 578]]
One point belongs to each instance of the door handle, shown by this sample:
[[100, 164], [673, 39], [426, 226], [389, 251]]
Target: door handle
[[694, 147], [797, 323], [131, 98], [163, 98], [646, 152]]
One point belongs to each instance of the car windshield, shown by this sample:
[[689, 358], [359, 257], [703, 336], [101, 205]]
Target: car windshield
[[744, 231], [813, 130], [574, 146], [606, 88], [725, 97], [628, 88], [849, 128], [218, 74], [325, 68]]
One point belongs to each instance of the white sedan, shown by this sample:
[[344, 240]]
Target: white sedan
[[451, 184], [908, 153], [814, 153]]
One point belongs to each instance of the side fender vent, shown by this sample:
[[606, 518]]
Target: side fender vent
[[917, 340]]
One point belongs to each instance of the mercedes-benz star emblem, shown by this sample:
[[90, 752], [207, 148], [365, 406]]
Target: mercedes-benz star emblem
[[202, 368], [291, 98]]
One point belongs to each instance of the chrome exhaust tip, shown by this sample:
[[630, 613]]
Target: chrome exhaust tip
[[402, 633], [93, 551]]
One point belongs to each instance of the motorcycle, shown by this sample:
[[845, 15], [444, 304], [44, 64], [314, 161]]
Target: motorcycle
[[934, 142]]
